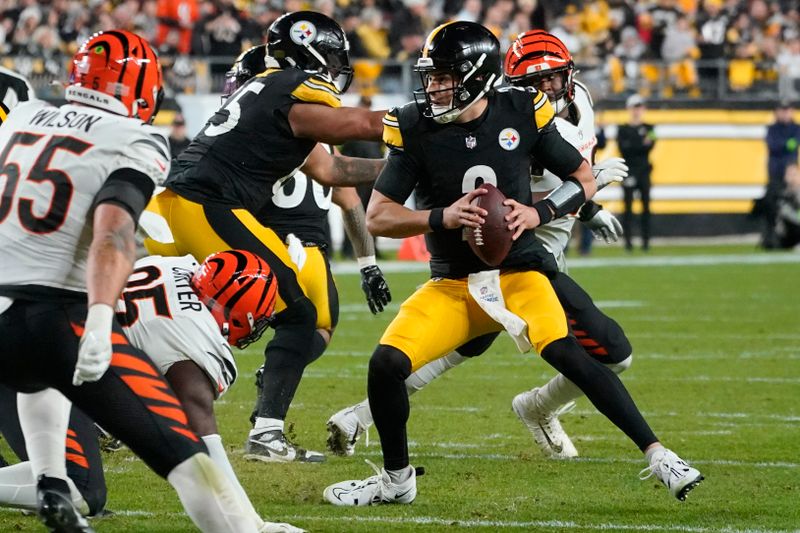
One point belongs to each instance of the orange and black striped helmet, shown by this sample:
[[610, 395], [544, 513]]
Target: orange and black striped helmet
[[239, 289], [119, 64], [537, 54]]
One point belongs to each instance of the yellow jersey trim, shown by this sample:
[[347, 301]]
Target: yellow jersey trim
[[391, 131]]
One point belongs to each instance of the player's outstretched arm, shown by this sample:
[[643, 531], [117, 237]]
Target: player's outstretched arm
[[339, 170], [355, 225], [335, 125]]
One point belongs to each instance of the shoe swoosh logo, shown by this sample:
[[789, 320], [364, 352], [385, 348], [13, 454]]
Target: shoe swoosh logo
[[401, 494], [558, 448], [281, 452]]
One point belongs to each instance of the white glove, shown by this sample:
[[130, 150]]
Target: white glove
[[94, 351], [279, 527], [608, 171], [604, 226], [297, 252]]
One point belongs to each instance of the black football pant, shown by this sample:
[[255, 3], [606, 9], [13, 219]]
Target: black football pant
[[132, 400], [627, 216], [82, 450]]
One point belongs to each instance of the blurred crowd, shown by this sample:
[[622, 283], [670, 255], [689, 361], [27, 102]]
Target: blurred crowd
[[649, 45]]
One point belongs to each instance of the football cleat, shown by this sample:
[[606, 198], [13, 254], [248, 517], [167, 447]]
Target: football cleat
[[279, 527], [545, 427], [344, 430], [673, 472], [55, 507], [374, 490], [274, 447]]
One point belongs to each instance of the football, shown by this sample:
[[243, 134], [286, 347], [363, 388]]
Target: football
[[492, 240]]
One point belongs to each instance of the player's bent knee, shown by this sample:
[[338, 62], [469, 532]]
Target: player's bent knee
[[389, 363], [326, 334]]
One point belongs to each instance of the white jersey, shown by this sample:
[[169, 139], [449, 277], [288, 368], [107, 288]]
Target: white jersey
[[163, 317], [555, 235], [54, 161]]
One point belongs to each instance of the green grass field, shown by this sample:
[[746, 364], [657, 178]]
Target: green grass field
[[716, 372]]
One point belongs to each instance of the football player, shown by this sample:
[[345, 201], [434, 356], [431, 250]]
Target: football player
[[297, 210], [188, 316], [78, 177], [263, 133], [540, 60], [462, 133]]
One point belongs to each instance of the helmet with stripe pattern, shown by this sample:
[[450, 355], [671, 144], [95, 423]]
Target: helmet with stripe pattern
[[467, 51], [537, 55], [117, 71], [312, 42], [239, 289]]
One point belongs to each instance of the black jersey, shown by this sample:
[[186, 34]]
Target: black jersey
[[298, 204], [248, 145], [441, 163]]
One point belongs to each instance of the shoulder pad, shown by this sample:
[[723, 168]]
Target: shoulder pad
[[543, 113], [317, 90]]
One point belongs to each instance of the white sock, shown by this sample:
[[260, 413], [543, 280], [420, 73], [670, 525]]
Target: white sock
[[400, 476], [217, 453], [267, 424], [424, 375], [560, 390], [44, 418], [208, 496], [18, 489], [652, 450]]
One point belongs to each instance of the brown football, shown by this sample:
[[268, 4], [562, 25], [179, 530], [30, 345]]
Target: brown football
[[491, 242]]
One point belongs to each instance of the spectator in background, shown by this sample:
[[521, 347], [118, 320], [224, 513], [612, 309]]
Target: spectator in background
[[178, 140], [788, 227], [176, 16], [410, 24], [368, 150], [783, 137], [712, 23], [679, 50], [635, 141]]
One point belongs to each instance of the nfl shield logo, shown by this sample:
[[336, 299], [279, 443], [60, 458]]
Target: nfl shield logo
[[471, 141]]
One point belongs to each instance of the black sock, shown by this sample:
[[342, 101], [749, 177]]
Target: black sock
[[602, 387], [388, 400]]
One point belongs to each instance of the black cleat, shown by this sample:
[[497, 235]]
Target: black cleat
[[55, 507]]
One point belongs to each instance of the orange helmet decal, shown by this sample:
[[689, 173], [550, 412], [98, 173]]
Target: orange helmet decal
[[120, 65], [240, 289]]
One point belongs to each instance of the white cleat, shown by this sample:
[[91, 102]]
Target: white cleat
[[545, 427], [344, 430], [374, 490], [279, 527], [274, 447], [673, 472]]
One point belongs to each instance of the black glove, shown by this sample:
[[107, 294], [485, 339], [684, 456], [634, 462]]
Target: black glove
[[375, 288]]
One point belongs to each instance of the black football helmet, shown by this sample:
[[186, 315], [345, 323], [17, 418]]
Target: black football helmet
[[248, 64], [471, 53], [311, 42]]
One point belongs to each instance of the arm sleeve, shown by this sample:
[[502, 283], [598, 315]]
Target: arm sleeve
[[127, 188], [555, 154], [399, 177]]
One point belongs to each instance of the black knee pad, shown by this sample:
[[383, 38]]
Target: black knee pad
[[389, 363], [477, 346]]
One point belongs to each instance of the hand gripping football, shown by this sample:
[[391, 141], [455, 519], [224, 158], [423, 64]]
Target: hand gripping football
[[491, 241]]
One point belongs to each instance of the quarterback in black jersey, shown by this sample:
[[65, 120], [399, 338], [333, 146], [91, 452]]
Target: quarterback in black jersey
[[263, 133], [461, 135]]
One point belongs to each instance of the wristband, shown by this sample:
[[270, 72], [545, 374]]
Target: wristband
[[436, 219], [367, 260], [544, 208], [588, 211]]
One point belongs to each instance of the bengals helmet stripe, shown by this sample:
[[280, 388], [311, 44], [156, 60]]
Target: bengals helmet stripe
[[119, 64]]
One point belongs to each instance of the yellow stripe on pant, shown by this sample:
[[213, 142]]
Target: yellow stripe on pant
[[441, 316], [318, 284]]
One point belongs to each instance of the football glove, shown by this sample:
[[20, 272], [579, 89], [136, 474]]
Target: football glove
[[94, 350], [603, 224], [375, 288], [608, 171]]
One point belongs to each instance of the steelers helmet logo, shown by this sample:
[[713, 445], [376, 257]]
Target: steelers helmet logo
[[508, 139], [303, 32]]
